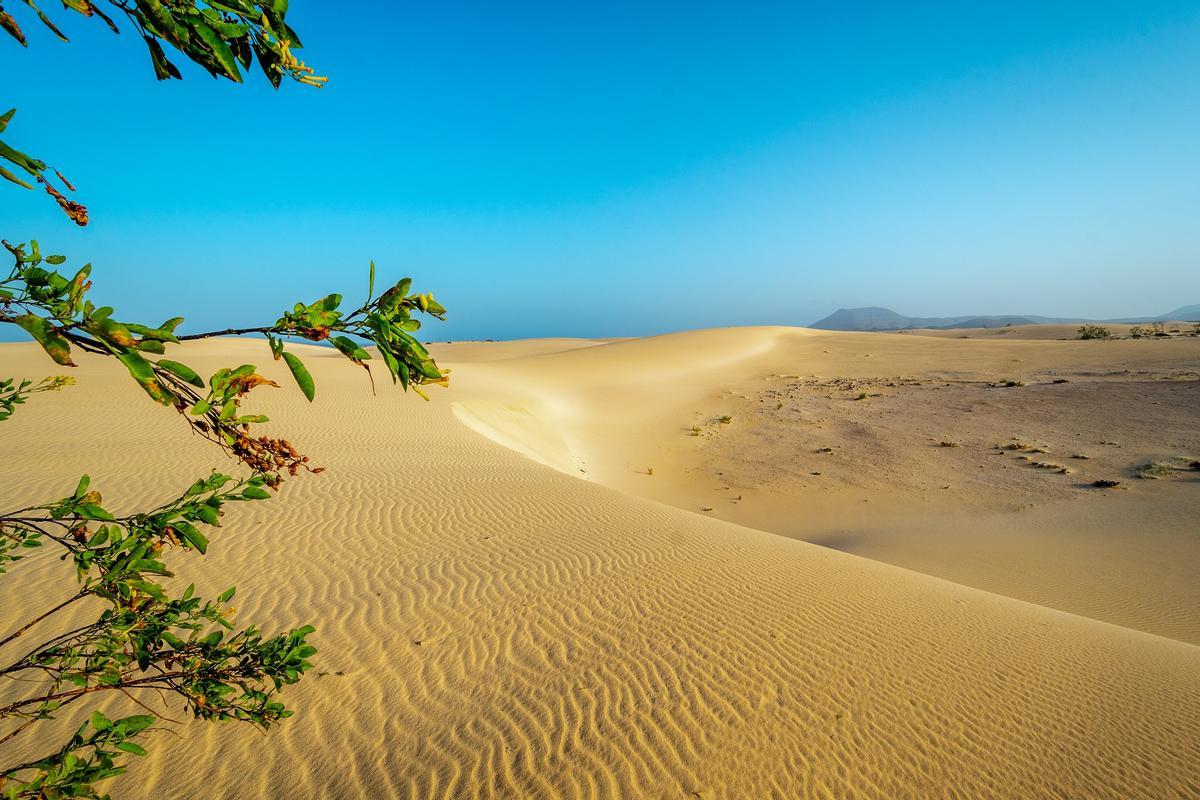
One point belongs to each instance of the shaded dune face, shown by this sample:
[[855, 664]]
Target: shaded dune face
[[492, 626]]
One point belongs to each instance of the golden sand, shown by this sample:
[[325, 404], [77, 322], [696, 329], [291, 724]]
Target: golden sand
[[531, 613]]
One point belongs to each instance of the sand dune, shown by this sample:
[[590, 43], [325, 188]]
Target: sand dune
[[492, 626], [837, 438]]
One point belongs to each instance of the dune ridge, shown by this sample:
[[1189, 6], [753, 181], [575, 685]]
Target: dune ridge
[[492, 627]]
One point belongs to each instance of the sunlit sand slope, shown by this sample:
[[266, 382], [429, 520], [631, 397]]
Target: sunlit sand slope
[[970, 460], [492, 627]]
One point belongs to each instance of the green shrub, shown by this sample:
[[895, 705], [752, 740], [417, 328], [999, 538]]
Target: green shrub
[[1094, 332]]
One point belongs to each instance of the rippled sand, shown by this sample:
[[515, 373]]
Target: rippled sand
[[517, 614]]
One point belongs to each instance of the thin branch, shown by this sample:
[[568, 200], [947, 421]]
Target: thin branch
[[25, 661], [77, 596], [137, 683], [226, 332]]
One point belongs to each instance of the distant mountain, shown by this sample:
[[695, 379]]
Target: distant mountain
[[884, 319], [1181, 314], [874, 318]]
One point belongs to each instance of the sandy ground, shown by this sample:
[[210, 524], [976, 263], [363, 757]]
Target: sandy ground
[[587, 600]]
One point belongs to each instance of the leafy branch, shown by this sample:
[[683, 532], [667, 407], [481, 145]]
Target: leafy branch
[[13, 394], [143, 639], [53, 309], [223, 38], [37, 170]]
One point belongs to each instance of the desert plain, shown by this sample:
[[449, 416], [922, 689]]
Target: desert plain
[[734, 563]]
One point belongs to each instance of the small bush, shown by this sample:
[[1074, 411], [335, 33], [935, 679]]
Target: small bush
[[1106, 484], [725, 420], [947, 444], [1154, 470], [1094, 332], [1138, 332]]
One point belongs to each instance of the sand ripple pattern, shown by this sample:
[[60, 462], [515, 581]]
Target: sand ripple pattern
[[492, 628]]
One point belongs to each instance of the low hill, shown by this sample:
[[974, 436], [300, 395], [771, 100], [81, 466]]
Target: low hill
[[876, 318]]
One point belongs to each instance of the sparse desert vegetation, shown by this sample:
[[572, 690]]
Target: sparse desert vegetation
[[1154, 470], [1094, 332]]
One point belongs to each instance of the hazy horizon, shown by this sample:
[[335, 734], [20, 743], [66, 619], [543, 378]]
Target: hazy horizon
[[619, 170]]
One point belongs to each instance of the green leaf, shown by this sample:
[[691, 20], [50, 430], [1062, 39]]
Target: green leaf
[[181, 371], [163, 68], [143, 373], [93, 511], [82, 488], [160, 334], [135, 724], [53, 342], [350, 348], [113, 331], [300, 373], [100, 722], [130, 747], [255, 493], [220, 50], [371, 283], [10, 177], [392, 364], [192, 536]]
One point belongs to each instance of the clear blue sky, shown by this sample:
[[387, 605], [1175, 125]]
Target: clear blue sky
[[623, 168]]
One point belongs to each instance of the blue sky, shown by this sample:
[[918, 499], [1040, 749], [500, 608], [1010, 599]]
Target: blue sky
[[631, 168]]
